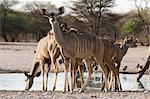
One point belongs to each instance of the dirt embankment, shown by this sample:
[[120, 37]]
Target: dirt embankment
[[18, 57]]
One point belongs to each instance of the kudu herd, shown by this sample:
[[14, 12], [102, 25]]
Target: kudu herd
[[75, 49]]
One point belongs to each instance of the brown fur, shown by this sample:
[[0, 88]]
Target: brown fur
[[115, 53]]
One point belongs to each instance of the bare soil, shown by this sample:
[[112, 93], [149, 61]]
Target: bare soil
[[17, 57], [90, 94]]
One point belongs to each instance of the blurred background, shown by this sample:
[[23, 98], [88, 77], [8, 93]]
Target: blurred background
[[21, 20]]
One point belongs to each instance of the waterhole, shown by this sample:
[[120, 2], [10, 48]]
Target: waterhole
[[15, 81]]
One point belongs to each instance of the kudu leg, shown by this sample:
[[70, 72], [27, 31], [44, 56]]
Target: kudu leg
[[66, 66], [105, 75], [75, 75], [118, 79], [42, 71], [47, 72], [111, 79], [80, 68], [56, 75], [104, 83], [56, 55], [90, 71], [116, 75], [72, 70]]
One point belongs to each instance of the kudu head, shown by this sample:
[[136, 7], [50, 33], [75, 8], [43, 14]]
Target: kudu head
[[53, 15], [28, 81], [30, 77], [129, 42]]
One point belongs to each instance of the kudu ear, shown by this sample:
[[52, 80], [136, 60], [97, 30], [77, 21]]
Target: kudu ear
[[60, 10], [43, 11], [127, 39], [38, 74], [26, 74]]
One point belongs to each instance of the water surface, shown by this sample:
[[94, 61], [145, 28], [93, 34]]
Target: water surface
[[15, 81]]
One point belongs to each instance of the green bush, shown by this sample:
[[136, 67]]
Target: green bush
[[132, 26], [17, 22]]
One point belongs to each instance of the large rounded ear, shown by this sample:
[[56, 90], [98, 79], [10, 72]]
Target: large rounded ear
[[127, 39], [38, 74], [43, 11], [26, 74], [60, 10]]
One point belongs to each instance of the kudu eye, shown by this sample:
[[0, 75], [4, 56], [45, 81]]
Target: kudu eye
[[52, 14], [43, 11], [26, 80]]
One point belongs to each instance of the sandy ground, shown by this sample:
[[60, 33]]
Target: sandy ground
[[19, 57], [92, 94]]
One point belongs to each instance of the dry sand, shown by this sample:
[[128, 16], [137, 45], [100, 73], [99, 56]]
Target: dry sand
[[90, 94]]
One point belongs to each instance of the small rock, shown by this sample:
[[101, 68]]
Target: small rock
[[45, 93], [146, 91], [93, 96], [19, 93], [83, 97], [106, 98]]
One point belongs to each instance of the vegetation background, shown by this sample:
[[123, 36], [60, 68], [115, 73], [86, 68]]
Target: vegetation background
[[88, 16]]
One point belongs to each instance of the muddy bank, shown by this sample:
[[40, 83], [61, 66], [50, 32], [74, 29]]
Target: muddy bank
[[90, 94], [19, 57]]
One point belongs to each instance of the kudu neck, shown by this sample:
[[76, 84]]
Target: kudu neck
[[124, 49], [57, 32]]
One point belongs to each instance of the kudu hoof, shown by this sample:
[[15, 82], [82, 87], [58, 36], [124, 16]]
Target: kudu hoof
[[53, 88], [69, 89], [71, 92], [64, 91], [80, 91], [105, 90], [26, 90]]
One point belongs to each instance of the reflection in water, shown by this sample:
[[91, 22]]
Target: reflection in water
[[140, 85], [16, 82]]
